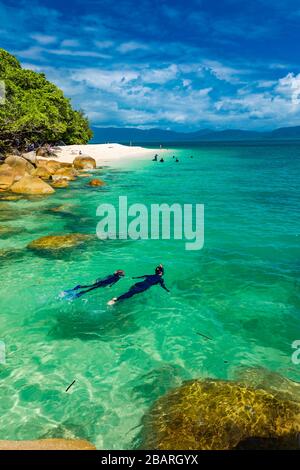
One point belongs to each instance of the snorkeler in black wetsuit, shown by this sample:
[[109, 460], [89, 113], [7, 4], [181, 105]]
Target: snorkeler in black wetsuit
[[155, 158], [149, 281], [107, 281]]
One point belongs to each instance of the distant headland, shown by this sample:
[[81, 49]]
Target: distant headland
[[135, 135]]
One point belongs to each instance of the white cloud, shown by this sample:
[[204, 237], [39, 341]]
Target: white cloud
[[44, 39], [266, 83], [278, 103], [160, 76], [179, 94], [32, 53], [37, 52], [289, 87], [121, 81], [131, 46], [186, 82], [277, 66], [104, 44], [204, 91], [223, 72], [78, 53], [110, 80], [70, 43]]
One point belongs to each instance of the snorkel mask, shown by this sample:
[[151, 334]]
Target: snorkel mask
[[120, 272], [159, 269]]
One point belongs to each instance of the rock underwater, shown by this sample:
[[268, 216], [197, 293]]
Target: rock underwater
[[58, 242], [220, 415], [96, 182], [48, 444], [65, 173], [270, 381], [60, 184]]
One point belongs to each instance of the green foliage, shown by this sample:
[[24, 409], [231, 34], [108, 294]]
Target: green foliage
[[35, 110]]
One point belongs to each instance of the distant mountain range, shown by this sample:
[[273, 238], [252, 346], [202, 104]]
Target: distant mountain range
[[134, 135]]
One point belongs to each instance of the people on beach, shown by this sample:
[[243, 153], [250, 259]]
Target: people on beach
[[109, 280], [149, 281]]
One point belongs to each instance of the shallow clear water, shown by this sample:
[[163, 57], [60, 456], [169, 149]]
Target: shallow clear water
[[241, 290]]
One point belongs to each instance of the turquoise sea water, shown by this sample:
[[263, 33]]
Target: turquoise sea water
[[241, 290]]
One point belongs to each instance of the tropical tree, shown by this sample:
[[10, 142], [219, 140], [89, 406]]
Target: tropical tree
[[35, 110]]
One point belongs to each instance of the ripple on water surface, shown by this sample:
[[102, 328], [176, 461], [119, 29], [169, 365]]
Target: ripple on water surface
[[236, 302]]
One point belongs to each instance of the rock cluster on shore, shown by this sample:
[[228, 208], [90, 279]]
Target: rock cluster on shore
[[28, 174]]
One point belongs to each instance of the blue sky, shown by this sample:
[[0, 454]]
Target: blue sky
[[181, 65]]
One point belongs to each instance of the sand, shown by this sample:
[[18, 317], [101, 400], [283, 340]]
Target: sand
[[103, 153]]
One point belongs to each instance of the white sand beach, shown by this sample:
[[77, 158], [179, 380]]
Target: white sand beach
[[103, 153]]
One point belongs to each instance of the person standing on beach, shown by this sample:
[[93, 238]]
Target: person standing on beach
[[149, 281]]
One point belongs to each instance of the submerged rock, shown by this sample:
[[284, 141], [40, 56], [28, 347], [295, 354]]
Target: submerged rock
[[96, 182], [31, 185], [10, 197], [65, 173], [58, 242], [7, 255], [60, 184], [6, 231], [272, 382], [48, 444], [84, 163], [220, 415], [63, 208]]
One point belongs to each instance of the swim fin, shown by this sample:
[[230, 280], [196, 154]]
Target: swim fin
[[69, 294]]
